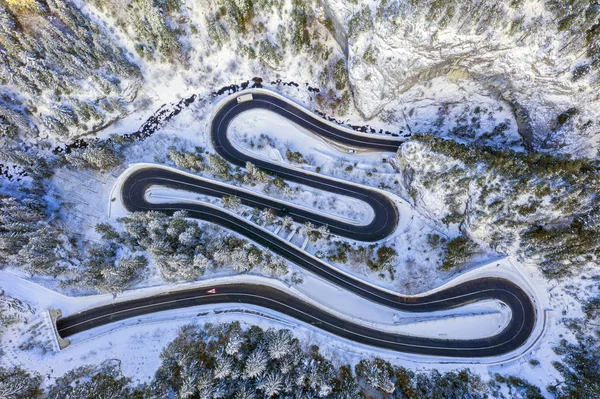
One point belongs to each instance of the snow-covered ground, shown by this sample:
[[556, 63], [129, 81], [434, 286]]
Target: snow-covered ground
[[151, 333], [279, 134], [461, 78], [425, 70], [132, 336], [129, 337]]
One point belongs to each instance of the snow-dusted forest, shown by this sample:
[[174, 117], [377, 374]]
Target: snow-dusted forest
[[497, 102]]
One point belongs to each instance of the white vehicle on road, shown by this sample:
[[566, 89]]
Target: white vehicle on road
[[351, 151], [244, 98]]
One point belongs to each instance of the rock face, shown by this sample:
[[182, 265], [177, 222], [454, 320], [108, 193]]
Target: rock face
[[339, 31], [514, 53]]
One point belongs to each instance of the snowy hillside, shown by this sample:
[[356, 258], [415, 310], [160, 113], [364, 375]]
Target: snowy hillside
[[495, 104]]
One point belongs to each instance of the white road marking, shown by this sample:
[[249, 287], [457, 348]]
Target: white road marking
[[298, 254], [313, 317]]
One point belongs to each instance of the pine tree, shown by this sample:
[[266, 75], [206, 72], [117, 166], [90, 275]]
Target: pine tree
[[231, 202], [16, 383], [205, 381], [200, 264], [176, 267], [191, 236], [105, 381], [234, 345], [255, 256], [107, 231], [245, 393], [99, 155], [378, 373], [219, 167], [287, 222], [279, 343], [223, 366], [268, 216], [14, 232], [314, 233], [345, 385], [271, 384], [256, 364], [255, 175], [277, 266], [188, 387], [40, 253], [188, 160], [239, 260], [117, 278]]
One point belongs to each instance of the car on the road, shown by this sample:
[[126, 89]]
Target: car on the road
[[351, 151], [244, 98]]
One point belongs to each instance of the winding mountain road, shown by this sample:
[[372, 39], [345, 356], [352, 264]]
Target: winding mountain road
[[136, 185]]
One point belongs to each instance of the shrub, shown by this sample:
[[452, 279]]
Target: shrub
[[592, 308], [361, 21], [458, 250], [518, 387], [566, 116], [435, 240], [370, 55], [294, 156], [339, 74], [231, 202], [386, 256], [579, 72]]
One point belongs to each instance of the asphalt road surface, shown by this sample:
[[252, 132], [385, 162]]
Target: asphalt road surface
[[268, 297], [514, 335]]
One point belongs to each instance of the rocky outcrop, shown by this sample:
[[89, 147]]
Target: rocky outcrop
[[339, 31]]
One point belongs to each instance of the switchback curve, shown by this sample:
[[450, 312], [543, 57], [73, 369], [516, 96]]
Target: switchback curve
[[134, 187]]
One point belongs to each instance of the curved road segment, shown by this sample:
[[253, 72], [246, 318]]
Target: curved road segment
[[135, 186]]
